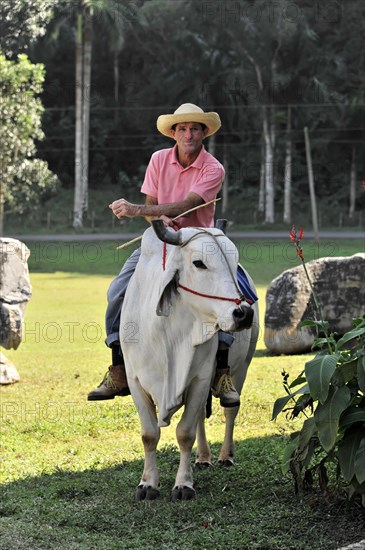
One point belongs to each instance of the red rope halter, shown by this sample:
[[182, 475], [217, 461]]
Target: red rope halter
[[235, 300]]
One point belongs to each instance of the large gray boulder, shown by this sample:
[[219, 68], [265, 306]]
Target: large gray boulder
[[15, 292], [339, 284], [8, 372]]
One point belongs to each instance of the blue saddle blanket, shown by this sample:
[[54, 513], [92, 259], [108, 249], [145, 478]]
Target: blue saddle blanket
[[245, 287]]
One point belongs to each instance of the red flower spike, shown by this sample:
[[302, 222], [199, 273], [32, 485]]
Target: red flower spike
[[296, 239]]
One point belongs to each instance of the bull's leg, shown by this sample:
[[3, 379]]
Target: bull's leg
[[203, 454], [183, 488], [226, 455], [185, 434], [148, 488]]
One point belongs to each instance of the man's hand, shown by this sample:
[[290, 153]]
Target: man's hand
[[122, 208], [168, 222]]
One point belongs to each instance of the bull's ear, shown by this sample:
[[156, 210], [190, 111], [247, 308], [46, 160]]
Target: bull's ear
[[168, 289]]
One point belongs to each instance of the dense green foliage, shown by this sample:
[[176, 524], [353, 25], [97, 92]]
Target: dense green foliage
[[24, 179], [333, 386], [157, 54], [22, 22], [248, 61]]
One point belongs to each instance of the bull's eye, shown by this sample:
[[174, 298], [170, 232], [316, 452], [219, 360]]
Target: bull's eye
[[199, 264]]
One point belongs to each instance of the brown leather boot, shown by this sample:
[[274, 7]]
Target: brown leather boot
[[114, 383], [223, 388]]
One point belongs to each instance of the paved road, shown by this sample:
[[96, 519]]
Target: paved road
[[232, 234]]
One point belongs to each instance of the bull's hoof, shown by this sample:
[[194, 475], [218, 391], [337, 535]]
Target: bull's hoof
[[146, 492], [182, 493], [226, 463], [204, 465]]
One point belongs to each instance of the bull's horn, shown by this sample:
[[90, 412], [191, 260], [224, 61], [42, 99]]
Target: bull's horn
[[221, 224], [166, 234]]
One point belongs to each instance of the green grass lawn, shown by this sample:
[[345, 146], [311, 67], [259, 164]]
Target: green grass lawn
[[70, 467], [263, 258]]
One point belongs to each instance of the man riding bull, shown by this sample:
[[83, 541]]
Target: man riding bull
[[176, 180]]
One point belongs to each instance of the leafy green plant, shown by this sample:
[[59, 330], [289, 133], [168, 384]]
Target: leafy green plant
[[330, 393], [25, 180]]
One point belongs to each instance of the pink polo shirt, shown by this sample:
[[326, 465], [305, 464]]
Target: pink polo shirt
[[167, 181]]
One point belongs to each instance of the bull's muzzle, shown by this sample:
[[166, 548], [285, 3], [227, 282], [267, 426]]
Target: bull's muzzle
[[243, 317]]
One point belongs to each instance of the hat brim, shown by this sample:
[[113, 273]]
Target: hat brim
[[211, 121]]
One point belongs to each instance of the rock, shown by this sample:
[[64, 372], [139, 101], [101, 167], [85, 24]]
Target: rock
[[355, 546], [8, 373], [15, 291], [339, 284]]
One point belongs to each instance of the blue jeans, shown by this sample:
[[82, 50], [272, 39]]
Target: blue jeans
[[116, 293]]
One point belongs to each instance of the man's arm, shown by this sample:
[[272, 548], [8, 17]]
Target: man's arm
[[122, 208], [152, 201]]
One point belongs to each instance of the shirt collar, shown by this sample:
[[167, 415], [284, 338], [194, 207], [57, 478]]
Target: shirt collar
[[198, 162]]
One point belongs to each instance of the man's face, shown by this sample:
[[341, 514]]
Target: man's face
[[189, 137]]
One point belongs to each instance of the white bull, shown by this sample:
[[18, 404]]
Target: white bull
[[180, 295]]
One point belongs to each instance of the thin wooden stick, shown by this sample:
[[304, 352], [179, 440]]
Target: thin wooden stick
[[196, 208], [124, 245]]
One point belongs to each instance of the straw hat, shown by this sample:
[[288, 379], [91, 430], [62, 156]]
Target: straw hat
[[188, 112]]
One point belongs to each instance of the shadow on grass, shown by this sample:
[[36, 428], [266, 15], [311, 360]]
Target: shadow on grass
[[264, 353], [248, 506], [267, 353]]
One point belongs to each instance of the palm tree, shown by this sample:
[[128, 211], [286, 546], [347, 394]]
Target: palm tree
[[109, 12], [83, 50]]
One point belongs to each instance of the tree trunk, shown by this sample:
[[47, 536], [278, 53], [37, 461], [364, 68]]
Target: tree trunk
[[78, 197], [225, 188], [116, 80], [87, 52], [269, 139], [352, 184], [269, 168], [261, 204], [287, 173], [311, 185], [1, 208]]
